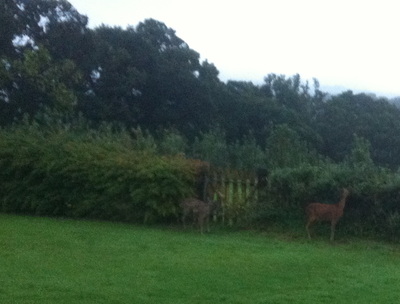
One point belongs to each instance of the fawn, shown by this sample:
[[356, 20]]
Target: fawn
[[201, 212], [326, 212]]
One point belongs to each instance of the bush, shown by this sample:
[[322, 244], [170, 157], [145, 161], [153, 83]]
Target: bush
[[372, 208], [95, 174], [68, 169]]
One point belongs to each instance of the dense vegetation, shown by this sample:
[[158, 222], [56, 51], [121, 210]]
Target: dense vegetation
[[97, 123], [147, 76], [78, 173]]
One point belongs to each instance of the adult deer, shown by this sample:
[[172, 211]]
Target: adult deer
[[199, 209], [326, 212]]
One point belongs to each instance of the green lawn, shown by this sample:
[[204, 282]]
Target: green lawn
[[65, 261]]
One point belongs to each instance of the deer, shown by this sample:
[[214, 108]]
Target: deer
[[326, 212], [201, 212]]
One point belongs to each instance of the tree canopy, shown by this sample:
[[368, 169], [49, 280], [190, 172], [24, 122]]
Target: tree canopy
[[146, 76]]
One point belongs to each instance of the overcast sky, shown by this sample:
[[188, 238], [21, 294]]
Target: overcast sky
[[348, 43]]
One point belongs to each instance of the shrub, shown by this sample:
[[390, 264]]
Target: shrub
[[96, 174]]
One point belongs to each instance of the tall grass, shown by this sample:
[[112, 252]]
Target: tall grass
[[65, 261]]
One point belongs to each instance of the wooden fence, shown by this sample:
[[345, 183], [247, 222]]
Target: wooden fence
[[237, 193]]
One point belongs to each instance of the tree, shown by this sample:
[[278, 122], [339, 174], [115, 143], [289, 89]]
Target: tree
[[360, 156], [212, 147], [9, 26], [173, 94], [347, 114], [55, 24], [34, 82], [288, 91], [285, 149], [247, 154], [116, 84], [172, 143]]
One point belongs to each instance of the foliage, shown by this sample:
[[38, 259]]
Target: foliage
[[375, 120], [96, 174], [212, 147], [371, 210], [144, 141], [247, 154], [55, 24], [78, 84], [34, 82], [286, 149], [147, 76], [172, 143], [360, 156]]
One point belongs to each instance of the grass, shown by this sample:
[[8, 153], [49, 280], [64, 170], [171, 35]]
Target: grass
[[64, 261]]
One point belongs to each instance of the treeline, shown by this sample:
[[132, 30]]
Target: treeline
[[145, 76], [106, 122]]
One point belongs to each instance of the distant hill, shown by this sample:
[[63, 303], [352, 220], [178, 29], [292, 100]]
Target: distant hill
[[337, 89]]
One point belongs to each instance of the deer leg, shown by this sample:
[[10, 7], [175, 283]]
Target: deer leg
[[333, 225], [308, 229], [201, 223], [207, 220], [184, 219]]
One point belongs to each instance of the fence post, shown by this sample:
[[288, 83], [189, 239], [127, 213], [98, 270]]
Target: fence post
[[224, 201], [236, 191], [248, 198], [256, 189], [230, 201]]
